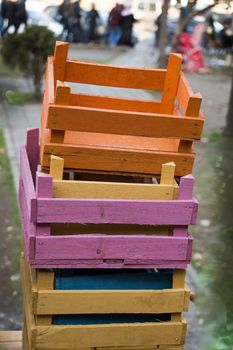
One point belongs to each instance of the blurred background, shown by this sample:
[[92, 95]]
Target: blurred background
[[129, 33]]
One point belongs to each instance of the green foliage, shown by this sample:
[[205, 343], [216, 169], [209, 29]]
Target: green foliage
[[29, 51], [18, 98]]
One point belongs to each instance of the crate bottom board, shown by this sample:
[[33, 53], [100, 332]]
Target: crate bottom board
[[144, 336], [116, 153]]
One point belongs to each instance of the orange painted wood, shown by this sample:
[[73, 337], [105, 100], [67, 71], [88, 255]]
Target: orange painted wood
[[123, 122], [191, 105], [62, 97], [107, 75], [101, 152], [60, 58], [105, 102], [171, 83]]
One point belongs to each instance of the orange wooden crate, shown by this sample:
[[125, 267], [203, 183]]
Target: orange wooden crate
[[113, 135]]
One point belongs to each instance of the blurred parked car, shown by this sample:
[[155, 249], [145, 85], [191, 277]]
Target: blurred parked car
[[41, 19]]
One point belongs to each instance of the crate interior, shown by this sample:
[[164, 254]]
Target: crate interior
[[138, 279]]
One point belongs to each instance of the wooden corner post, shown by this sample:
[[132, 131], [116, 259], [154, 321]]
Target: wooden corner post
[[171, 83], [60, 58], [192, 110]]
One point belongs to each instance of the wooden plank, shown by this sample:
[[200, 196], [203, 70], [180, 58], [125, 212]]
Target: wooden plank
[[171, 83], [13, 342], [27, 181], [44, 185], [147, 334], [32, 148], [45, 280], [60, 57], [168, 174], [106, 102], [56, 169], [107, 75], [28, 227], [139, 247], [123, 122], [193, 110], [118, 160], [110, 190], [97, 211], [107, 302], [62, 97]]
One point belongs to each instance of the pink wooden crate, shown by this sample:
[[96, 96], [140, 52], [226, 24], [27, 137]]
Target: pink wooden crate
[[45, 250]]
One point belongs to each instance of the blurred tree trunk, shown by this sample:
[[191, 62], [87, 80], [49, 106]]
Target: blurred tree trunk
[[163, 34], [228, 130]]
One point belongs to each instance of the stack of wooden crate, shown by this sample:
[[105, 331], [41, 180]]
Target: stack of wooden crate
[[106, 202]]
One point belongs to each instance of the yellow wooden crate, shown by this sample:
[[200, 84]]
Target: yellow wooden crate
[[41, 302]]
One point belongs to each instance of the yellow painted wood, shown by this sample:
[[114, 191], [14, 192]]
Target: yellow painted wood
[[111, 190], [45, 280], [69, 229], [56, 167], [147, 334], [110, 302], [168, 174], [179, 278], [11, 340]]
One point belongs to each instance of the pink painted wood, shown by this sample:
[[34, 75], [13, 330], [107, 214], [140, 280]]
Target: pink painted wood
[[39, 210]]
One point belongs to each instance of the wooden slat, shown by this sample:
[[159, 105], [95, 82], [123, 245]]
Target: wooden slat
[[60, 57], [111, 190], [118, 159], [56, 168], [193, 109], [62, 97], [105, 102], [11, 340], [168, 174], [148, 334], [45, 280], [160, 212], [28, 184], [109, 302], [171, 83], [156, 250], [123, 122], [107, 75]]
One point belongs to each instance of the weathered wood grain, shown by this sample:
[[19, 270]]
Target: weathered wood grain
[[107, 75], [123, 122]]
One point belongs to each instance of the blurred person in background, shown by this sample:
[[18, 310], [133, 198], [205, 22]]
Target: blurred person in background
[[127, 22], [15, 13], [76, 25], [65, 11], [225, 38], [114, 25], [92, 19]]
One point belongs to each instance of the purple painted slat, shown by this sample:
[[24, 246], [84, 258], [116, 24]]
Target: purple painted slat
[[44, 189], [190, 248], [32, 147], [111, 247], [26, 176], [195, 211], [186, 187], [27, 226], [173, 212], [103, 264]]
